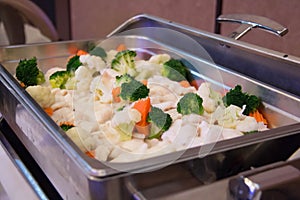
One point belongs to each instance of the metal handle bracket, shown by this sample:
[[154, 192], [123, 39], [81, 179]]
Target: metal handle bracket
[[252, 21]]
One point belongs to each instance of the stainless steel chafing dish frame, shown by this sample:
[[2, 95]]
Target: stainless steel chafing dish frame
[[77, 176]]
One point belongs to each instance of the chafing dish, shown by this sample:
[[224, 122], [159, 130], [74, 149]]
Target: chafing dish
[[77, 176]]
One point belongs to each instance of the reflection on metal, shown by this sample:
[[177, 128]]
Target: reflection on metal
[[252, 21]]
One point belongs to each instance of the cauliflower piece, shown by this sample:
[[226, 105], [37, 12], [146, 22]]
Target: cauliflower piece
[[84, 77], [42, 95], [210, 133], [146, 69], [64, 114], [228, 133], [63, 98], [103, 112], [211, 99], [124, 122], [248, 124], [92, 62], [168, 85], [159, 58], [185, 137], [101, 86]]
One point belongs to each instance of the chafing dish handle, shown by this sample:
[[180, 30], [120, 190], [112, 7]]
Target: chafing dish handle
[[252, 187], [252, 21]]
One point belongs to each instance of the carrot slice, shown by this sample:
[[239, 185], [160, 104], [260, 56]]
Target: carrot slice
[[90, 154], [81, 52], [143, 106], [66, 123], [49, 111], [258, 116], [121, 47], [145, 82], [184, 83], [22, 85], [116, 94]]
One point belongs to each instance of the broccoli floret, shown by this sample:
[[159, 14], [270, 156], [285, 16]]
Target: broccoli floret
[[133, 91], [160, 122], [236, 97], [190, 103], [73, 63], [59, 79], [66, 126], [175, 70], [124, 62], [124, 78], [28, 72]]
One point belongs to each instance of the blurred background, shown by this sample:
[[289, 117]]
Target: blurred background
[[76, 19]]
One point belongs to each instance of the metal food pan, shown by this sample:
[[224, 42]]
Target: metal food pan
[[76, 176]]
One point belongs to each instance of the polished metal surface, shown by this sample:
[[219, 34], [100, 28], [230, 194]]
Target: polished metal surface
[[76, 176], [252, 21], [17, 182]]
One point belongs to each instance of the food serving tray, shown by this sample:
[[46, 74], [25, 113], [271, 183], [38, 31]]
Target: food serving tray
[[77, 176]]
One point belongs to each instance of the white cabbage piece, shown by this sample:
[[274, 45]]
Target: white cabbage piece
[[78, 135], [228, 117]]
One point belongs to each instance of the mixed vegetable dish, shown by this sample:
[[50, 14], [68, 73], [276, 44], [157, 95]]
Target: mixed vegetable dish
[[118, 107]]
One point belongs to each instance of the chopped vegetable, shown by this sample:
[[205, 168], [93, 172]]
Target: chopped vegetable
[[90, 154], [184, 83], [49, 111], [143, 106], [174, 70], [66, 126], [258, 116], [124, 78], [124, 62], [81, 52], [28, 73], [237, 97], [98, 51], [73, 63], [121, 47], [160, 122], [190, 103], [116, 94], [133, 91], [59, 79]]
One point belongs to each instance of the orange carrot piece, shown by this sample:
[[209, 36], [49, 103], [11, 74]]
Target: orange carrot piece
[[143, 106], [81, 52], [116, 94], [184, 83], [49, 111], [66, 123], [145, 82], [22, 85], [78, 53], [121, 47], [90, 154], [258, 116]]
